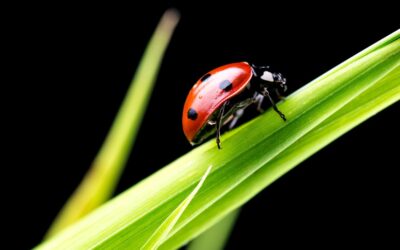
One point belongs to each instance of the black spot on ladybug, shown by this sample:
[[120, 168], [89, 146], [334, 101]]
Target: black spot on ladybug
[[205, 77], [192, 114], [225, 85]]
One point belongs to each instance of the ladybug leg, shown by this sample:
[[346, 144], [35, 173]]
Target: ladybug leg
[[236, 117], [258, 98], [239, 109], [266, 93], [219, 123]]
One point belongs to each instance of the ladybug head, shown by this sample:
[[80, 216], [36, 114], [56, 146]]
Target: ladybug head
[[269, 78], [279, 79]]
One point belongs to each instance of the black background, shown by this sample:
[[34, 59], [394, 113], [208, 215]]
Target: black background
[[71, 66]]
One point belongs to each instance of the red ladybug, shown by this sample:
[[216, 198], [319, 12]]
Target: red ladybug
[[221, 95]]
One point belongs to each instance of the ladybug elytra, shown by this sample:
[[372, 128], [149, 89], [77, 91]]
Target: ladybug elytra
[[221, 96]]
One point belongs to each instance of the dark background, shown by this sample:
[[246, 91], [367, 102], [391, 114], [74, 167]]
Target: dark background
[[71, 66]]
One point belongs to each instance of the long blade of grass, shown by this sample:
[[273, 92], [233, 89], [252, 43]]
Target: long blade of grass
[[345, 119], [220, 231], [163, 230], [102, 178], [253, 156]]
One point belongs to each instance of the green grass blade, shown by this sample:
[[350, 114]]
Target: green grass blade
[[384, 90], [163, 230], [221, 230], [253, 156], [215, 237], [348, 117], [102, 178]]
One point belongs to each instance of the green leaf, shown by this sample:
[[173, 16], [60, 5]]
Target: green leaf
[[253, 156], [102, 178], [163, 230]]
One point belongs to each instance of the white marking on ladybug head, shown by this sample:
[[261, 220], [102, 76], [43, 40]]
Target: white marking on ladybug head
[[267, 76]]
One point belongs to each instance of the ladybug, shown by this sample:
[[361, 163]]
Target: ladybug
[[221, 96]]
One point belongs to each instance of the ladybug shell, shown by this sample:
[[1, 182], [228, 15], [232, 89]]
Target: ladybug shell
[[209, 94]]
